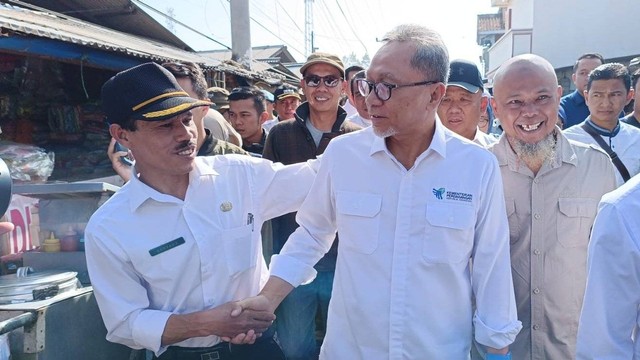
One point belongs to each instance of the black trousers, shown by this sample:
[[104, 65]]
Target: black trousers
[[266, 347]]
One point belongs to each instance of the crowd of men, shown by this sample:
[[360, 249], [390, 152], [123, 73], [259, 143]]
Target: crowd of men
[[401, 225]]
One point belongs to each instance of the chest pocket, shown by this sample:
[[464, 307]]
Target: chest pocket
[[449, 232], [238, 247], [358, 220], [575, 220]]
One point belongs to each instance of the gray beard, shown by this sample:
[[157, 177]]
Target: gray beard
[[385, 134], [539, 152]]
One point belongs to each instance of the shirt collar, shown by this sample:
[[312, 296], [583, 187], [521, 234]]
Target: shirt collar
[[602, 131], [438, 142], [578, 99], [564, 153], [140, 192]]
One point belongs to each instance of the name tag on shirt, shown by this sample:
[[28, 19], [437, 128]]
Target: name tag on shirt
[[166, 246]]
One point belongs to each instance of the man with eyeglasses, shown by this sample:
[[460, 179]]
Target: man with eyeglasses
[[552, 187], [349, 106], [413, 203], [361, 116], [317, 121]]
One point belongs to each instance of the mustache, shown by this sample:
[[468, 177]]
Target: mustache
[[185, 145]]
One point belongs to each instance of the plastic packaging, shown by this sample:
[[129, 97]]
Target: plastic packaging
[[27, 163]]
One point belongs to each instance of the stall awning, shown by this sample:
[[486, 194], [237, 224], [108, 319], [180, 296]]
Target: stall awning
[[65, 37]]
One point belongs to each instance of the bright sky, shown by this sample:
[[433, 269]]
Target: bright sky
[[340, 26]]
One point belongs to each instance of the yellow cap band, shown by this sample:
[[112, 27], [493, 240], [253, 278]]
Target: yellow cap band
[[162, 96], [174, 110]]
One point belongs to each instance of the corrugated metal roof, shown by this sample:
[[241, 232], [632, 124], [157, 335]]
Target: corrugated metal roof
[[76, 31], [121, 15], [267, 53]]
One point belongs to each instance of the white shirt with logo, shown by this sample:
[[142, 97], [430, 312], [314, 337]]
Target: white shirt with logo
[[151, 255], [403, 285]]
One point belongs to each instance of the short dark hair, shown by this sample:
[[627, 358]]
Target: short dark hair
[[634, 78], [249, 92], [192, 72], [352, 85], [587, 56], [351, 69], [610, 71]]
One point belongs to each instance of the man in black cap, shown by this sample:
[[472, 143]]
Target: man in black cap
[[174, 249], [287, 101], [464, 102], [192, 81]]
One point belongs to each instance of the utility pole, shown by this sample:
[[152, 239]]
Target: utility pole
[[240, 33], [308, 27]]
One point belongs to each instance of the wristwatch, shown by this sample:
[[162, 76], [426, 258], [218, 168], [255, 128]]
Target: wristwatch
[[506, 356]]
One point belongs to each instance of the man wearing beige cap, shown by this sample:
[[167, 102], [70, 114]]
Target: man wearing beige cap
[[316, 122]]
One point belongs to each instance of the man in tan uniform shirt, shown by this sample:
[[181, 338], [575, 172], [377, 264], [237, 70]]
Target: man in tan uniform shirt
[[552, 188]]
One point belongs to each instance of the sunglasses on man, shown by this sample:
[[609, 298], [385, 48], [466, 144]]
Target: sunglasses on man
[[329, 81]]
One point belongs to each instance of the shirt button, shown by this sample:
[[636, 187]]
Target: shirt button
[[536, 327], [536, 180], [537, 216], [536, 291], [536, 251]]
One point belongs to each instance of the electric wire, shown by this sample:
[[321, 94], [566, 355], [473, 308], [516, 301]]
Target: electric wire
[[330, 21], [272, 33], [350, 27], [181, 23], [291, 18]]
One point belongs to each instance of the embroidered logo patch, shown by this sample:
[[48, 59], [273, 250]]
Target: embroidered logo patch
[[459, 196], [442, 193], [438, 193]]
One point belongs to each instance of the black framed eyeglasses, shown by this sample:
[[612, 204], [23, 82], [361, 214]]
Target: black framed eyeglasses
[[329, 80], [383, 89]]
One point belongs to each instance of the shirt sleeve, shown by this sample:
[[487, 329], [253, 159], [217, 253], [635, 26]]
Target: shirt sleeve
[[121, 296], [495, 319], [280, 189], [316, 233], [610, 309]]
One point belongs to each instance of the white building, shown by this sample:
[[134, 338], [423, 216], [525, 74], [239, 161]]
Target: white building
[[562, 30]]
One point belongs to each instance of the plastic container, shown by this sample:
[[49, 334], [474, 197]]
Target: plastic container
[[51, 244], [70, 240]]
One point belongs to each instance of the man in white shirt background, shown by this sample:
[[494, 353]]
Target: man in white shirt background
[[361, 117], [349, 73], [464, 102], [608, 91], [408, 224], [610, 312]]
